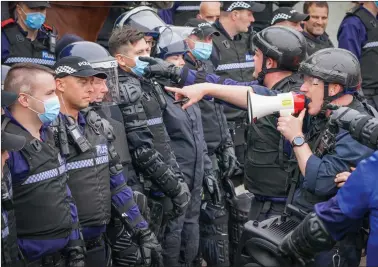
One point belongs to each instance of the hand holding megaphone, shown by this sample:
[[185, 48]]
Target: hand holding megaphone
[[285, 104]]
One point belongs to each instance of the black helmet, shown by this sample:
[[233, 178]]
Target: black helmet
[[334, 65], [285, 45]]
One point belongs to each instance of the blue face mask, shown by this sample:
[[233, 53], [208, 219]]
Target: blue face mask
[[202, 51], [34, 20], [138, 69], [376, 3], [52, 108]]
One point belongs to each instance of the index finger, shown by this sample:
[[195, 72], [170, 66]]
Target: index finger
[[175, 90]]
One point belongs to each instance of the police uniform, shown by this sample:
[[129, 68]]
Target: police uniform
[[17, 48], [317, 43], [217, 137], [267, 156], [369, 54], [44, 209]]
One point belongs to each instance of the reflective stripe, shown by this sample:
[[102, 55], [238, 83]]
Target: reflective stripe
[[80, 164], [5, 232], [370, 45], [45, 175], [188, 8], [40, 61], [233, 66], [155, 121]]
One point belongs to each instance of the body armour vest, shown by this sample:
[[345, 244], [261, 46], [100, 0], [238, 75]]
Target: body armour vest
[[22, 49], [212, 113], [9, 246], [369, 55], [40, 200], [235, 62], [266, 165], [154, 103], [89, 174], [304, 198], [185, 11], [316, 44]]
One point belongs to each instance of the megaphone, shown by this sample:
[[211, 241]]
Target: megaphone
[[284, 104]]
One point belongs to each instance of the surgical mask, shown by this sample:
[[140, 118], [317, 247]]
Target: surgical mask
[[34, 20], [52, 108], [376, 3], [202, 51], [138, 69]]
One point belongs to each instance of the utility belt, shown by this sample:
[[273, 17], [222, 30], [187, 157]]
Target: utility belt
[[94, 243], [53, 260]]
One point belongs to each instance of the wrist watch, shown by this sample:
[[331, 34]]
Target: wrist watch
[[298, 141]]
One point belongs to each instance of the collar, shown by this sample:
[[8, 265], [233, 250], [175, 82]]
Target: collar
[[220, 28], [189, 60], [81, 120], [367, 11], [323, 38], [40, 35], [9, 115]]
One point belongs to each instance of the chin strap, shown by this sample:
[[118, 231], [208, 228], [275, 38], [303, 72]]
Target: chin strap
[[264, 70], [328, 99]]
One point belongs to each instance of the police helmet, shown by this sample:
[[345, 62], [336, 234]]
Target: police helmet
[[334, 65], [143, 19], [4, 72], [285, 45], [100, 59], [170, 43]]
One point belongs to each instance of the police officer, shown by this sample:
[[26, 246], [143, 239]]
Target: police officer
[[185, 129], [26, 38], [9, 142], [180, 12], [94, 165], [233, 58], [218, 139], [358, 33], [319, 164], [344, 212], [142, 105], [46, 216], [314, 28], [145, 20]]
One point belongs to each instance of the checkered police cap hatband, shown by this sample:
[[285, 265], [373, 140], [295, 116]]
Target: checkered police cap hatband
[[238, 5], [65, 69], [280, 16]]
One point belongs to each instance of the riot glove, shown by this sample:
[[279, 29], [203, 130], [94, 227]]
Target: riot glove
[[181, 200], [159, 69], [227, 161], [212, 186], [150, 245]]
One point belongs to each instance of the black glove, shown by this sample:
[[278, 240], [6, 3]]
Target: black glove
[[75, 256], [148, 242], [181, 201], [159, 68], [227, 161], [212, 186]]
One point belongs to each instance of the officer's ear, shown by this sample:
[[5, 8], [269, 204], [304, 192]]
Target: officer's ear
[[235, 15], [23, 100], [60, 85], [271, 63], [334, 89]]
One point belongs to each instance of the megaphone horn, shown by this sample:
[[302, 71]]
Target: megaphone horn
[[286, 104]]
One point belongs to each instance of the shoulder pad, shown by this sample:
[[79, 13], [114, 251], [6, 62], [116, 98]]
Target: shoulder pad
[[7, 22], [130, 89], [93, 119], [353, 10], [108, 129]]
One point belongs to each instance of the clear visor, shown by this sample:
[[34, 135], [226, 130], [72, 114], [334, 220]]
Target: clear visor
[[171, 42], [106, 92]]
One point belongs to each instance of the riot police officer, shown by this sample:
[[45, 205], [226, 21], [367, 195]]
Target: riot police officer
[[95, 168], [26, 38], [318, 164], [185, 129], [142, 104], [46, 217], [9, 142]]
